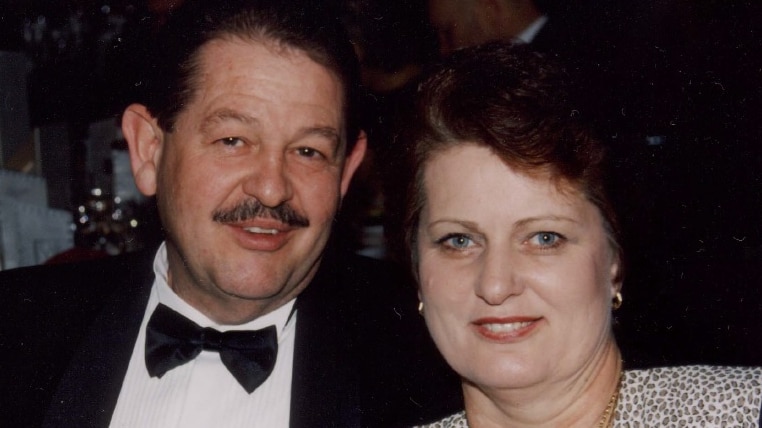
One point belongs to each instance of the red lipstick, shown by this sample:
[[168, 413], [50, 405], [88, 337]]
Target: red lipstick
[[506, 329]]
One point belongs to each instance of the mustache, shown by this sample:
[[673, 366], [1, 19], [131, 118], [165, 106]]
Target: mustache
[[252, 208]]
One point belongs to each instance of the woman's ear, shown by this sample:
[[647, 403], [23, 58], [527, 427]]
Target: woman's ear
[[144, 139], [616, 276]]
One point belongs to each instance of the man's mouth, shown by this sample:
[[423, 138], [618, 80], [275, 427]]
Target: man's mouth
[[261, 230]]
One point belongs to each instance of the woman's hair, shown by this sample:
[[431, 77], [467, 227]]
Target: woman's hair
[[515, 102]]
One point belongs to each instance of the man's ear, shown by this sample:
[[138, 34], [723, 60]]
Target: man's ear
[[144, 139], [353, 161]]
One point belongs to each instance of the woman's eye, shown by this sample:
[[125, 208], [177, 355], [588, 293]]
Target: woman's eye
[[231, 141], [546, 239], [456, 241]]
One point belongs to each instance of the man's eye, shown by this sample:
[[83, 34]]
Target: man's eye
[[231, 141], [307, 152]]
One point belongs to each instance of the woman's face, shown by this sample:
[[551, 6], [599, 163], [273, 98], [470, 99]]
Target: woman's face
[[516, 275]]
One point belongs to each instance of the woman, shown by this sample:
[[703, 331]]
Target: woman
[[516, 249]]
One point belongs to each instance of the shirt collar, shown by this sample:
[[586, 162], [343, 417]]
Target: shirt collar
[[531, 31]]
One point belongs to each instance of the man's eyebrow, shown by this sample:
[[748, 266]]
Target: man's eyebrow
[[225, 114], [328, 132]]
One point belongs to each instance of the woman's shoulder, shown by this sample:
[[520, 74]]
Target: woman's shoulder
[[694, 395], [457, 420], [705, 378]]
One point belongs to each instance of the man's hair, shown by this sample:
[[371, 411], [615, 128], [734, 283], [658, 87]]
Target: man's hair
[[515, 102], [171, 73]]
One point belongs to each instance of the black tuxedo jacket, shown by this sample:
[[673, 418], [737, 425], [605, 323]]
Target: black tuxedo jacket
[[362, 356]]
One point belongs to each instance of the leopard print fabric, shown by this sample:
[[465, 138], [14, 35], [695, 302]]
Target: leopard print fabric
[[457, 420], [690, 396]]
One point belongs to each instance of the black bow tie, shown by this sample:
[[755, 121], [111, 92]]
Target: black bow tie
[[173, 340]]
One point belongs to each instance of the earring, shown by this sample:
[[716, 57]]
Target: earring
[[616, 302], [420, 308]]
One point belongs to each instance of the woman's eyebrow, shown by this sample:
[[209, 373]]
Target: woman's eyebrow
[[550, 217]]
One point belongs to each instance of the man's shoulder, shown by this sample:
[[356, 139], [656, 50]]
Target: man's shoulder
[[357, 264], [83, 281], [382, 291], [366, 271], [403, 380], [61, 299], [345, 275], [47, 312]]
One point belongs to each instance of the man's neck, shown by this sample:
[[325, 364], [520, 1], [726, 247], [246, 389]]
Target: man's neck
[[214, 303], [228, 309]]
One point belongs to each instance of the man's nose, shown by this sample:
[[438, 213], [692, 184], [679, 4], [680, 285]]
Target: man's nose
[[269, 181]]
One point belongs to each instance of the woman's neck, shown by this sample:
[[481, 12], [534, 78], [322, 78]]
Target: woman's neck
[[577, 401]]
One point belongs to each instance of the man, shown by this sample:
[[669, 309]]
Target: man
[[461, 23], [588, 42], [246, 136]]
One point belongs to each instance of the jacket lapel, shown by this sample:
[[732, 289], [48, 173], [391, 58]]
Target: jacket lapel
[[89, 389], [324, 387]]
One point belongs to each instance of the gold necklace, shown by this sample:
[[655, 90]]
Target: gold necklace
[[607, 418]]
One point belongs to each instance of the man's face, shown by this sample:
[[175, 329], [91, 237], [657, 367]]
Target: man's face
[[249, 181]]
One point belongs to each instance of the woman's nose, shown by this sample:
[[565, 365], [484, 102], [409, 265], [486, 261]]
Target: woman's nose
[[498, 279]]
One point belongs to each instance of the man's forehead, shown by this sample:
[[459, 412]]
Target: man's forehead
[[265, 47], [237, 79], [269, 53], [269, 47]]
